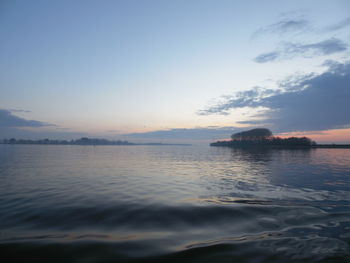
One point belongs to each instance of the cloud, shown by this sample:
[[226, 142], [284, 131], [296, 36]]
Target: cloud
[[19, 110], [338, 26], [7, 119], [295, 25], [191, 135], [289, 50], [284, 26], [314, 102], [325, 47], [114, 131], [267, 57], [12, 126], [248, 98]]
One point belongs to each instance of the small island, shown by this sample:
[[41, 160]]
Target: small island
[[262, 137]]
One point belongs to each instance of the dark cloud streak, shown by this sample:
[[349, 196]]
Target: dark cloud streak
[[7, 119], [290, 50], [191, 134], [19, 110], [267, 57], [284, 26], [338, 26]]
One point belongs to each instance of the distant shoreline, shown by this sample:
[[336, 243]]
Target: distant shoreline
[[84, 141], [130, 144], [332, 146]]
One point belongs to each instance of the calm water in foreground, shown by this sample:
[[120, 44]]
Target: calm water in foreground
[[173, 204]]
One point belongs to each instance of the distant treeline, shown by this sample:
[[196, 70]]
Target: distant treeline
[[81, 141]]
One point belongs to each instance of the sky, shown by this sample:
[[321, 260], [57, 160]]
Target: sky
[[174, 71]]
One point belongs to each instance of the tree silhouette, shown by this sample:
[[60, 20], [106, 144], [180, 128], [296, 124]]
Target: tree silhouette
[[263, 137], [254, 134]]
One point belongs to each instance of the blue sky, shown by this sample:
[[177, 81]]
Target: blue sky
[[111, 68]]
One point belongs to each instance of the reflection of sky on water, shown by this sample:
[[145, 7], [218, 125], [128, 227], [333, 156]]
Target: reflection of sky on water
[[147, 200], [174, 174], [261, 175]]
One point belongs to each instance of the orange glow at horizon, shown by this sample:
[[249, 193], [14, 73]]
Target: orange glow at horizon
[[327, 136]]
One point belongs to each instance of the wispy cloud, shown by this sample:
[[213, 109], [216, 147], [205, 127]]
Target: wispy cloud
[[114, 131], [185, 135], [290, 50], [315, 102], [19, 110], [325, 47], [299, 25], [284, 26], [267, 57], [338, 26]]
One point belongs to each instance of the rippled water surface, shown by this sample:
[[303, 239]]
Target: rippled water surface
[[173, 204]]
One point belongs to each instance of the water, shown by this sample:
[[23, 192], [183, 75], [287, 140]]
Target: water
[[173, 204]]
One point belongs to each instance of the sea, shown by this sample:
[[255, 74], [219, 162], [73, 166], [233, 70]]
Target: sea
[[71, 203]]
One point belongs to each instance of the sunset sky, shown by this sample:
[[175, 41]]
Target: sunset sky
[[174, 71]]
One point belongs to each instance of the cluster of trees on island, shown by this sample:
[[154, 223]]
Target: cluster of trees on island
[[263, 137]]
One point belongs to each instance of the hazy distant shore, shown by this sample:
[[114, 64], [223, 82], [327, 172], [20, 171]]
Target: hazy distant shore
[[81, 141]]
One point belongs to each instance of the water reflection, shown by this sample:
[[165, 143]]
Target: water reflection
[[260, 175], [154, 204], [252, 154], [261, 154]]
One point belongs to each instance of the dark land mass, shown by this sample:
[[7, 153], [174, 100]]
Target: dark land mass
[[332, 146], [263, 138], [277, 146], [81, 141]]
